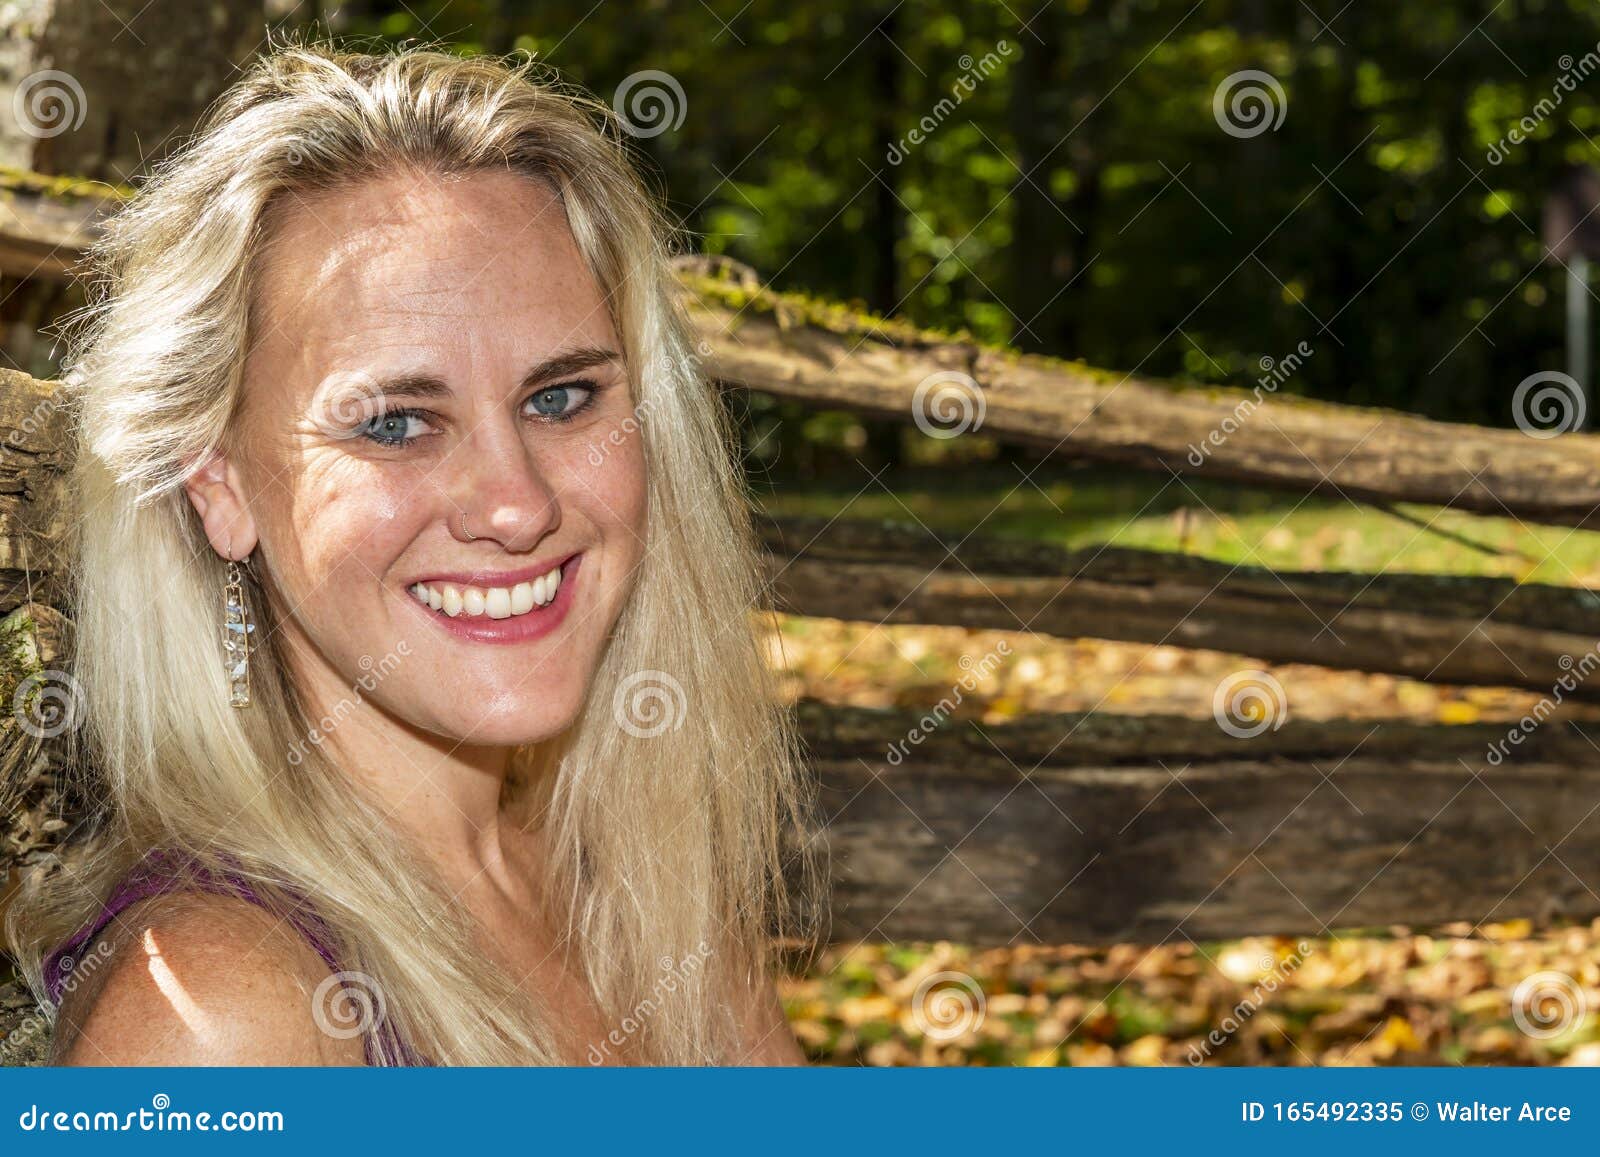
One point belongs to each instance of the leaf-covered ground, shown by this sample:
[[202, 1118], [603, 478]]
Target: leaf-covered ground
[[1374, 996], [1450, 996]]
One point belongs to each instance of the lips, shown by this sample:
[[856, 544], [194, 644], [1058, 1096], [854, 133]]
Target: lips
[[497, 609], [498, 600]]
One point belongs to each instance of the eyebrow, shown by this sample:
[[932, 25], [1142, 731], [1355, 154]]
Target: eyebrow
[[557, 366]]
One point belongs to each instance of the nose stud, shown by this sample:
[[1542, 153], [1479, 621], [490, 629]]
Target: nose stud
[[464, 530]]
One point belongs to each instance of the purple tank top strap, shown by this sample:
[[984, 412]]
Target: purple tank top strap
[[162, 872]]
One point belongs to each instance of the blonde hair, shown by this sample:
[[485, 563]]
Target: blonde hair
[[665, 845]]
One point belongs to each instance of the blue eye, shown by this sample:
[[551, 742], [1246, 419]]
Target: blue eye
[[392, 428], [558, 403]]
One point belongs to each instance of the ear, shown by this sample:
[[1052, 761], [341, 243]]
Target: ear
[[216, 494]]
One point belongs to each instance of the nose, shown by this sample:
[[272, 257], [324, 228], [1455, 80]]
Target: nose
[[502, 494]]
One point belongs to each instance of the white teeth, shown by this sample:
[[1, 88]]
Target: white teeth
[[496, 602]]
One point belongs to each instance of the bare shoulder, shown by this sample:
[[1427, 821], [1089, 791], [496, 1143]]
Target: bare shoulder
[[199, 979]]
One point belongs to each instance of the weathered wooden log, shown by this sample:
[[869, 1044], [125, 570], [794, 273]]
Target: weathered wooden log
[[1102, 828], [1443, 628], [826, 355], [1447, 629], [24, 1027], [106, 88], [941, 828], [47, 223]]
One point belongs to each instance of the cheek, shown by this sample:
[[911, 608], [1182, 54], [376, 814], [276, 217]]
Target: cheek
[[335, 531], [611, 490]]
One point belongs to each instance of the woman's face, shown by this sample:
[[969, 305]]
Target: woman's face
[[429, 352]]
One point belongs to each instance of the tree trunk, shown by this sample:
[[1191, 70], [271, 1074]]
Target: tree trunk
[[106, 88]]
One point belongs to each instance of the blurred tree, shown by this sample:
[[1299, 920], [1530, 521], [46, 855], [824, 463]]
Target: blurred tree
[[105, 88]]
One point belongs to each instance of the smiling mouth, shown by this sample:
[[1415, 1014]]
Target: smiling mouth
[[493, 602]]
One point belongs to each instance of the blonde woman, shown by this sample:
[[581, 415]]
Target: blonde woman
[[412, 578]]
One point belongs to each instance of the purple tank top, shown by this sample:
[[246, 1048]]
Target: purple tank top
[[161, 872]]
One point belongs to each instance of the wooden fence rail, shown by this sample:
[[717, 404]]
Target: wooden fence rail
[[1070, 828], [829, 356], [1440, 628], [1073, 828]]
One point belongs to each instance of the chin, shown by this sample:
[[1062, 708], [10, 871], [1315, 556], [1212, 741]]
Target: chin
[[482, 723]]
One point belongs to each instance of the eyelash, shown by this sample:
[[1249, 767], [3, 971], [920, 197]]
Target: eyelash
[[366, 431]]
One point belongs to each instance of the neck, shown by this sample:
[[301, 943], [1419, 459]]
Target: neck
[[442, 795]]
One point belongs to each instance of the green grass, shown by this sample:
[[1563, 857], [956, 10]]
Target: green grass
[[1233, 524]]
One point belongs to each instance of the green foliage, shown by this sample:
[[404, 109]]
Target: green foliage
[[1082, 199]]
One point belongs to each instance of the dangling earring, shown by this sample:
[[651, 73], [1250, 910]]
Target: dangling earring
[[236, 631]]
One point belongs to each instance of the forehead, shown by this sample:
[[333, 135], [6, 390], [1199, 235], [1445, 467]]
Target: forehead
[[481, 265]]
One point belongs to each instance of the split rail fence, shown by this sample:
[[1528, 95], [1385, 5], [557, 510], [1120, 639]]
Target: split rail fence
[[1061, 828]]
